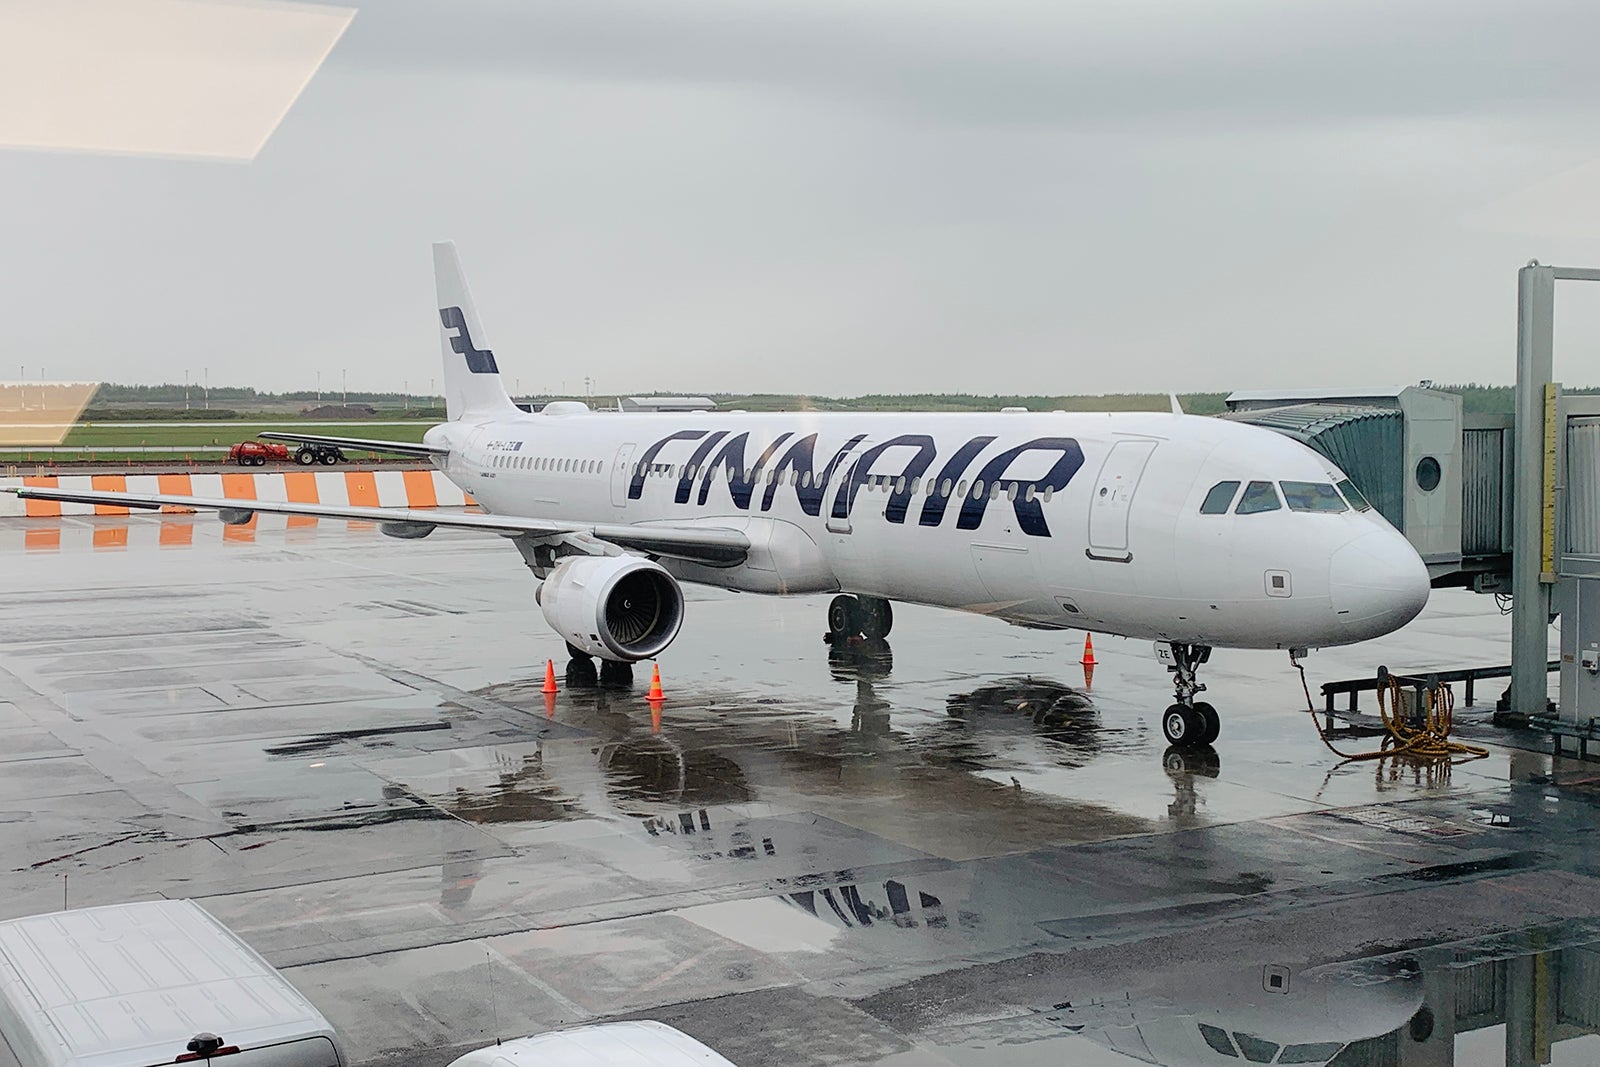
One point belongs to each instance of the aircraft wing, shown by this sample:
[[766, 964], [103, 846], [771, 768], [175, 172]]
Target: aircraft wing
[[402, 448], [715, 546]]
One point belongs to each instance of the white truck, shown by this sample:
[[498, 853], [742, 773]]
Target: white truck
[[629, 1044], [137, 985]]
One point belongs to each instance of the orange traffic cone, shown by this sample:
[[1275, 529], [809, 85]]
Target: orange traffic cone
[[1088, 650], [655, 684], [549, 676]]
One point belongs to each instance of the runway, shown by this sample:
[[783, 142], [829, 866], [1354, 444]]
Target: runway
[[914, 854]]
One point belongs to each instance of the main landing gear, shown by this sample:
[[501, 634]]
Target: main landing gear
[[850, 617], [581, 673], [1189, 723]]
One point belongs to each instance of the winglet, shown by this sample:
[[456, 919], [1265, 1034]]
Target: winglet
[[1177, 408]]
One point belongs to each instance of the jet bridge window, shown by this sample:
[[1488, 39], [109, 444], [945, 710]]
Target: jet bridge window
[[1312, 496], [1218, 499], [1218, 1039], [1321, 1052], [1258, 497]]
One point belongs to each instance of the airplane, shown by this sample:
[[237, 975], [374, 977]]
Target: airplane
[[1188, 531]]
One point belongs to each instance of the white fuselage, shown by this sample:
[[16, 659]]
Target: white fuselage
[[1089, 521]]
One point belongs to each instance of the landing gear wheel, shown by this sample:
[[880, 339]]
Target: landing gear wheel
[[615, 675], [581, 673], [305, 457], [1211, 723], [877, 618], [844, 617], [1182, 725], [574, 652]]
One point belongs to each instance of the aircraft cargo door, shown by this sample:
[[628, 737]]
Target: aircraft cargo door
[[1113, 498], [621, 476]]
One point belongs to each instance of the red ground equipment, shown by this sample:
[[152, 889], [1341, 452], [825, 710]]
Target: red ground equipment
[[256, 453]]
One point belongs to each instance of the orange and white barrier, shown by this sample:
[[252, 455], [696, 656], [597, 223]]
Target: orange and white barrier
[[148, 532], [377, 489]]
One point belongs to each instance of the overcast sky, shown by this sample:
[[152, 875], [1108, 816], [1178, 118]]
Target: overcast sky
[[848, 196]]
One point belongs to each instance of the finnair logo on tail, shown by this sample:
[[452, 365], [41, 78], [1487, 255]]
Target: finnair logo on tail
[[479, 361]]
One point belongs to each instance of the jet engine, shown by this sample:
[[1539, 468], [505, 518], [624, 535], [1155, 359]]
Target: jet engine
[[615, 607]]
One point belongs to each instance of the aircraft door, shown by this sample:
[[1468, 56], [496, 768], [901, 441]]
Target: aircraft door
[[837, 498], [1113, 498], [621, 475]]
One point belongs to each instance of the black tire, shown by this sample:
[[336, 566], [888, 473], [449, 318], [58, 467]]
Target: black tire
[[581, 674], [616, 675], [877, 617], [844, 617], [574, 652], [329, 458], [1182, 726], [1210, 723], [305, 457]]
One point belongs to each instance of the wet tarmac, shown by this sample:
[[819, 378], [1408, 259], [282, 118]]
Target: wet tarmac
[[948, 849]]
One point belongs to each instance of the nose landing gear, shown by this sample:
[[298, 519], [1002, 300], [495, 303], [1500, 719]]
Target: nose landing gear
[[1189, 723]]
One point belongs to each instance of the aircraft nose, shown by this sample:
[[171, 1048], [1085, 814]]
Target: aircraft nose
[[1377, 583]]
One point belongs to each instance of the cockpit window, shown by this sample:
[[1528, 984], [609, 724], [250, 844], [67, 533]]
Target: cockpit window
[[1218, 1039], [1312, 496], [1352, 494], [1217, 501], [1318, 1053], [1255, 1049], [1258, 497]]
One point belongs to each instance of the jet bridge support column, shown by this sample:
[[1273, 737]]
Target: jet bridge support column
[[1530, 594]]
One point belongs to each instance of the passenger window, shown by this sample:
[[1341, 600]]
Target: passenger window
[[1254, 1048], [1321, 1052], [1258, 497], [1312, 496], [1353, 495], [1217, 501], [1218, 1039]]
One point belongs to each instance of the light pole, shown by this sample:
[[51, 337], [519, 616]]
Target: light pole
[[319, 386], [344, 385], [208, 388], [405, 387], [186, 389]]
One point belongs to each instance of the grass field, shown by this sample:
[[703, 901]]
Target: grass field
[[119, 443], [178, 434]]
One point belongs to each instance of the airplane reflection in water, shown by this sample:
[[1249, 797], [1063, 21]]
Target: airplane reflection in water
[[1491, 1003]]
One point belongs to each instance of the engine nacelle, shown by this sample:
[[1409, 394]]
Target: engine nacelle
[[615, 607]]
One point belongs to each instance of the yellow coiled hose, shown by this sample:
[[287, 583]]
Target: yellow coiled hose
[[1427, 741]]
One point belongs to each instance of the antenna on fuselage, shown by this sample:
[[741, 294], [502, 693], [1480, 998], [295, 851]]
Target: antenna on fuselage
[[1177, 408]]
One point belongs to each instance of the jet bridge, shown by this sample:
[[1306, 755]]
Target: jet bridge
[[1435, 475], [1503, 504]]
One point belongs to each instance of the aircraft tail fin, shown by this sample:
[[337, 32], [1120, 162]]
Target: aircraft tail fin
[[472, 385]]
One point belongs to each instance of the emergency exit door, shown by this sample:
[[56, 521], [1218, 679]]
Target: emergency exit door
[[1113, 500]]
